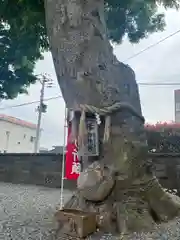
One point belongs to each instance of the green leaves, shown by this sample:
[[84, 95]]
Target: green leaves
[[23, 40], [166, 141], [23, 37], [135, 19]]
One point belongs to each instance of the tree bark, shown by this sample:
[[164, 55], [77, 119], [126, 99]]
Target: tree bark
[[89, 73]]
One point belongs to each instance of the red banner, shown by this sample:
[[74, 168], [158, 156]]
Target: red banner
[[73, 165]]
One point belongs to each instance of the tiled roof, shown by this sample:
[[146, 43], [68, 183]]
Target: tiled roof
[[17, 121]]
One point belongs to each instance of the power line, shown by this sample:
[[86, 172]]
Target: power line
[[151, 46], [159, 84], [133, 56], [53, 98], [29, 103]]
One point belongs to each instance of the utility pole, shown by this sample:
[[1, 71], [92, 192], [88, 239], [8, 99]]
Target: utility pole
[[41, 108]]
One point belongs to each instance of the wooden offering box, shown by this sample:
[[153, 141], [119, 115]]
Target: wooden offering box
[[77, 223]]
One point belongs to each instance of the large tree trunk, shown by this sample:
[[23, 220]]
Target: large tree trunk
[[89, 73]]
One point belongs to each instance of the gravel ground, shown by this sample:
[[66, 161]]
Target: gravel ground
[[26, 213]]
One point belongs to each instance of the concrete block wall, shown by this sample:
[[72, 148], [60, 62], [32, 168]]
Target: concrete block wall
[[46, 169], [36, 169]]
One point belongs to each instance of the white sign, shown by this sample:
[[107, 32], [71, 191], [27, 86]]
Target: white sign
[[76, 168]]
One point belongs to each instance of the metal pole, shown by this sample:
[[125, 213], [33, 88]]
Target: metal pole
[[36, 145], [63, 160]]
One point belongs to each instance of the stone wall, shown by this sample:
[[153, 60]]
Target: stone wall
[[167, 169], [39, 169], [45, 169]]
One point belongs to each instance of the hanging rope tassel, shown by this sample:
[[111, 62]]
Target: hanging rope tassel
[[107, 129], [72, 123], [74, 130], [82, 141]]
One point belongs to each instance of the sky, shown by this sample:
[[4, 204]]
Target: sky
[[158, 64]]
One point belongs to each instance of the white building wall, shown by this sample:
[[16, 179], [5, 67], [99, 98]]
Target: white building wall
[[16, 138]]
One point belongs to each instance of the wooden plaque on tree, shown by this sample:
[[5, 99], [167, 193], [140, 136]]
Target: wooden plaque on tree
[[92, 147]]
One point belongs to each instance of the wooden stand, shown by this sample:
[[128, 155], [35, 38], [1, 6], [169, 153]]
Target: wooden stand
[[77, 223]]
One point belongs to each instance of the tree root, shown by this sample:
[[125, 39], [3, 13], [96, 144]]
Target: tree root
[[133, 215], [136, 211], [130, 215], [165, 205]]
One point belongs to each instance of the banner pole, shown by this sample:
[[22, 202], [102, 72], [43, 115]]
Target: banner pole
[[63, 161]]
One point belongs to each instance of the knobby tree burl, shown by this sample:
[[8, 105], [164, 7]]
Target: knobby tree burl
[[120, 186]]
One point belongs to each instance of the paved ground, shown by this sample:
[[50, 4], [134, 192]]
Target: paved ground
[[26, 212]]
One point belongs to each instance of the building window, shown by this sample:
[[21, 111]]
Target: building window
[[177, 107], [32, 139], [7, 133]]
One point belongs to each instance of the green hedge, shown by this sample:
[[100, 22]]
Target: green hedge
[[163, 137]]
